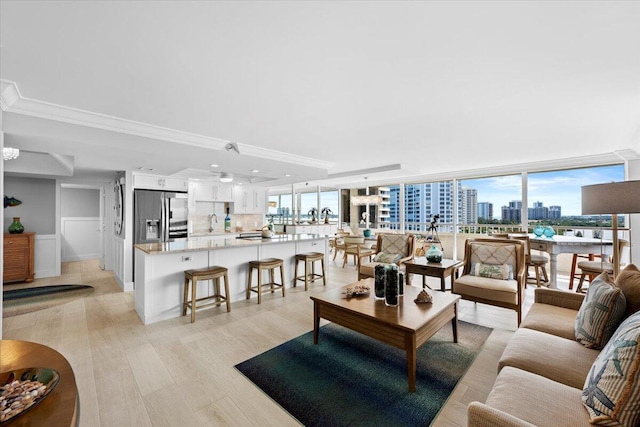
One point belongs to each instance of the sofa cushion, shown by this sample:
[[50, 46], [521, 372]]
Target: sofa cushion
[[629, 281], [536, 399], [367, 268], [558, 359], [601, 312], [492, 289], [612, 390], [554, 320]]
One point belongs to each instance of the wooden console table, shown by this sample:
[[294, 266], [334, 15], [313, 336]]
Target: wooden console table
[[61, 407]]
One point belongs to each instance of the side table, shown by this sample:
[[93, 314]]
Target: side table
[[443, 269]]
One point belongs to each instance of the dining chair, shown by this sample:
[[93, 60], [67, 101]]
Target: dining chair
[[354, 245], [537, 261], [594, 268]]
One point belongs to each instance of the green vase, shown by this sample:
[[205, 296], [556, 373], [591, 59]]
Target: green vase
[[434, 254], [16, 227]]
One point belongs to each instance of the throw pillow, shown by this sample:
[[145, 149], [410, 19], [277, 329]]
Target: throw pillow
[[387, 258], [629, 281], [601, 312], [611, 392], [492, 271]]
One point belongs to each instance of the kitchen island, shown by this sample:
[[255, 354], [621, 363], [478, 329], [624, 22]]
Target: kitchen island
[[159, 267]]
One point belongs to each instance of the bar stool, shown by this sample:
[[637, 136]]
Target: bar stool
[[191, 277], [269, 264], [307, 258]]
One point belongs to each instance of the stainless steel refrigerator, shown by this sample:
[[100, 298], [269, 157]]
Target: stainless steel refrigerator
[[159, 216]]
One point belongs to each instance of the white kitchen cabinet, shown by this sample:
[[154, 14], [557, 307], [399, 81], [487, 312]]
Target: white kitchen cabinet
[[249, 200], [212, 192], [157, 182]]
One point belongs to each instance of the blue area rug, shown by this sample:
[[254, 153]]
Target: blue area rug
[[26, 300], [349, 379]]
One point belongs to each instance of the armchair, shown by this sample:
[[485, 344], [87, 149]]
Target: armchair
[[390, 249], [494, 273]]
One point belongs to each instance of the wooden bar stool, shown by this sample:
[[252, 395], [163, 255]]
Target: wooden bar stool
[[307, 258], [269, 264], [191, 277]]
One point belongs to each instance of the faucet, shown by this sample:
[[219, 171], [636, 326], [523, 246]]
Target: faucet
[[213, 219]]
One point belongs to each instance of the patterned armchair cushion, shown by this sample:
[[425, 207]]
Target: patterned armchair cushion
[[491, 271], [387, 258], [395, 244], [611, 391], [484, 253], [601, 312]]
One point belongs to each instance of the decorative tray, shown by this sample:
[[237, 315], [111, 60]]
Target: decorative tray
[[22, 389], [357, 290]]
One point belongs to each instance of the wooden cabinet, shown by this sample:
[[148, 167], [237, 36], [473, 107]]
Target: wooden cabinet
[[157, 182], [18, 264]]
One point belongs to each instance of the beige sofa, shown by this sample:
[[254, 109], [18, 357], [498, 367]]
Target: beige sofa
[[543, 369]]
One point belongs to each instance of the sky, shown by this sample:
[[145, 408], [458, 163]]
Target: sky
[[561, 188]]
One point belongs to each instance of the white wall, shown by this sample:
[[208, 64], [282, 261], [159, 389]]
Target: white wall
[[634, 219]]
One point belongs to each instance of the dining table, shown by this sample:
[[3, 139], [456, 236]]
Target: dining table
[[557, 245]]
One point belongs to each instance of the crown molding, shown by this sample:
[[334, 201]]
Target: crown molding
[[12, 101], [265, 153]]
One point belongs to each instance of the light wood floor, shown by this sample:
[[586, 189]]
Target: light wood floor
[[175, 373]]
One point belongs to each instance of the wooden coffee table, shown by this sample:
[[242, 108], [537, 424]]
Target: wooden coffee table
[[407, 326], [442, 269]]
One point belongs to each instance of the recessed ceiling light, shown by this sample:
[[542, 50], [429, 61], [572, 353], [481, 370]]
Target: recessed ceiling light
[[213, 165], [287, 174], [255, 171], [142, 168]]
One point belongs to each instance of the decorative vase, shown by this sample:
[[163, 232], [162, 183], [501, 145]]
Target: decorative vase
[[367, 233], [434, 254], [538, 230], [548, 232], [379, 281], [16, 227], [391, 286]]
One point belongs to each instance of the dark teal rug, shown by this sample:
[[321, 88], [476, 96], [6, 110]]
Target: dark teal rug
[[349, 379], [26, 300]]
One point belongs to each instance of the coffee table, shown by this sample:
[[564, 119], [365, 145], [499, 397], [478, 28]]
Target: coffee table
[[442, 269], [407, 326]]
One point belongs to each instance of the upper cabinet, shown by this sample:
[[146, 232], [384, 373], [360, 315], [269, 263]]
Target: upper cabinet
[[157, 182], [249, 200], [212, 192]]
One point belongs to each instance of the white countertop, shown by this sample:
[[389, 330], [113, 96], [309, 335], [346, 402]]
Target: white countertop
[[203, 245]]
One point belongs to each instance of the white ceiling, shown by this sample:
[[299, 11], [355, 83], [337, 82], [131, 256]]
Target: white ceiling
[[326, 91]]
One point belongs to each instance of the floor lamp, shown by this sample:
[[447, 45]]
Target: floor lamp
[[612, 199]]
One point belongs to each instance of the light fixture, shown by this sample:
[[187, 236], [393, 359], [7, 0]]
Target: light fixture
[[9, 153], [372, 199], [226, 177], [213, 165], [612, 199], [255, 171]]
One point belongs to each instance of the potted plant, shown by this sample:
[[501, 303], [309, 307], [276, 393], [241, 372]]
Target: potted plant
[[313, 212], [326, 212], [365, 220]]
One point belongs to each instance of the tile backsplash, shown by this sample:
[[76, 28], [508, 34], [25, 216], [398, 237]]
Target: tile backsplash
[[201, 220]]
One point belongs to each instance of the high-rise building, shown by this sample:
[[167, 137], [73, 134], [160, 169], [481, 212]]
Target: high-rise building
[[538, 211], [421, 202], [555, 212], [513, 212], [468, 205], [485, 210]]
